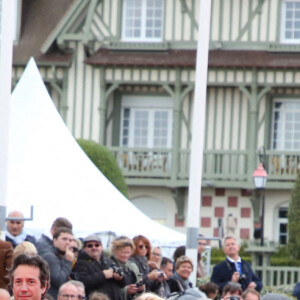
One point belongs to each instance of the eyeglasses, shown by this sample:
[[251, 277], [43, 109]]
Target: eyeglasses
[[66, 296], [74, 249], [143, 246], [201, 244], [93, 245], [156, 254]]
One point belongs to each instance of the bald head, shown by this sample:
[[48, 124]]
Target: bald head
[[15, 227], [4, 294]]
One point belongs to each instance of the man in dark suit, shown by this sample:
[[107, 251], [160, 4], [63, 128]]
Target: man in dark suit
[[6, 259], [234, 268]]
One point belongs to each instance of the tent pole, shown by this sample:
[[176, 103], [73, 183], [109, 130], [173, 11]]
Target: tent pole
[[6, 43], [198, 131]]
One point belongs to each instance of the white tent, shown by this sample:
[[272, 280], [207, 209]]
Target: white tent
[[48, 169]]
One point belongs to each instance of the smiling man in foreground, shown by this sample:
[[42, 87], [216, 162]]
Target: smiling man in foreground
[[29, 277]]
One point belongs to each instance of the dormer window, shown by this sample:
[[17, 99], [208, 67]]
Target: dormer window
[[290, 21], [143, 20]]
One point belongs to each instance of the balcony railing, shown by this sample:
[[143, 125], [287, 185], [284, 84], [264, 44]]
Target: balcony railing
[[282, 165], [218, 165]]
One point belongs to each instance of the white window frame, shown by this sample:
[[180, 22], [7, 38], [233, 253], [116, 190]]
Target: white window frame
[[151, 104], [143, 29], [284, 124], [283, 39]]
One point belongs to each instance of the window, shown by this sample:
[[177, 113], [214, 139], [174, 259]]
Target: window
[[286, 125], [146, 122], [283, 225], [290, 21], [143, 20], [146, 128]]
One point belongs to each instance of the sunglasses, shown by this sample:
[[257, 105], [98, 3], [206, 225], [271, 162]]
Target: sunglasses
[[143, 246], [93, 245], [74, 249]]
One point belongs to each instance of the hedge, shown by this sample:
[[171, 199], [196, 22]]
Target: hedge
[[106, 163]]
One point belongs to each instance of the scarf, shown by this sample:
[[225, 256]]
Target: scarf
[[17, 239], [185, 283]]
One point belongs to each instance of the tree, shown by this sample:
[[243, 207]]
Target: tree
[[294, 221], [106, 163]]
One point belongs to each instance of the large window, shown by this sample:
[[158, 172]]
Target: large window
[[286, 125], [143, 20], [146, 122], [290, 21], [146, 129]]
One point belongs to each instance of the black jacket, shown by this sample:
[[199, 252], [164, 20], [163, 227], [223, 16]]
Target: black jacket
[[60, 270], [222, 274], [90, 272]]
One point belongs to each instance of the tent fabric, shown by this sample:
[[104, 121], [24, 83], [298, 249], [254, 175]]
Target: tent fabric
[[49, 170]]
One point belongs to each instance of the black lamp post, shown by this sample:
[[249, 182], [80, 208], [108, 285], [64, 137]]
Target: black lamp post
[[260, 180]]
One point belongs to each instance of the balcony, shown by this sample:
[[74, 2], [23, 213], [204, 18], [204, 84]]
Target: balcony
[[221, 168]]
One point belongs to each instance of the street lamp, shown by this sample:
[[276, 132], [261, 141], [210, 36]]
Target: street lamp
[[260, 180]]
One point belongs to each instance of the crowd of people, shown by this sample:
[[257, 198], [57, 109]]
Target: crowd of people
[[60, 266]]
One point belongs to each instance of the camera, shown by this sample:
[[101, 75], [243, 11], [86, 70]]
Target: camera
[[242, 278], [234, 297], [140, 283], [161, 274], [117, 270]]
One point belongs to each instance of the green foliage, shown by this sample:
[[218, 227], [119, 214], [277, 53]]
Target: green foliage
[[282, 257], [106, 163], [294, 221]]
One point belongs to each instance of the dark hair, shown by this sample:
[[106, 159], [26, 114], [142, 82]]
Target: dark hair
[[232, 288], [165, 261], [136, 241], [34, 261], [62, 222], [209, 288], [179, 251], [61, 230]]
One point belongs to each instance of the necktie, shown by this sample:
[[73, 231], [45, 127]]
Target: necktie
[[238, 266]]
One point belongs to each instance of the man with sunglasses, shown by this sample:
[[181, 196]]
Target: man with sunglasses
[[94, 270], [60, 259]]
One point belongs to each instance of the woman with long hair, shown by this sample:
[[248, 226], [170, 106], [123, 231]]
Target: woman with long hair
[[141, 257]]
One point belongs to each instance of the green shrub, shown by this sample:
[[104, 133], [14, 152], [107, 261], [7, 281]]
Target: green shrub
[[106, 163], [294, 221]]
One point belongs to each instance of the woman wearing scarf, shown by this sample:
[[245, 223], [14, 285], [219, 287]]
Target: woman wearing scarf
[[179, 282]]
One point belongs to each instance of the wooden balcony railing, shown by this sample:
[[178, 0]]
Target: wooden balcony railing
[[282, 165], [218, 165]]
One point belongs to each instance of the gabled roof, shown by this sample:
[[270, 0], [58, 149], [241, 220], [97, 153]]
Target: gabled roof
[[39, 19], [187, 58]]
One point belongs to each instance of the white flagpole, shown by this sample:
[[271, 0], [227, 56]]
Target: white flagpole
[[6, 48], [198, 131]]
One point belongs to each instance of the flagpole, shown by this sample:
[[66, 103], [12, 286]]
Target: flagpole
[[6, 48], [198, 131]]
